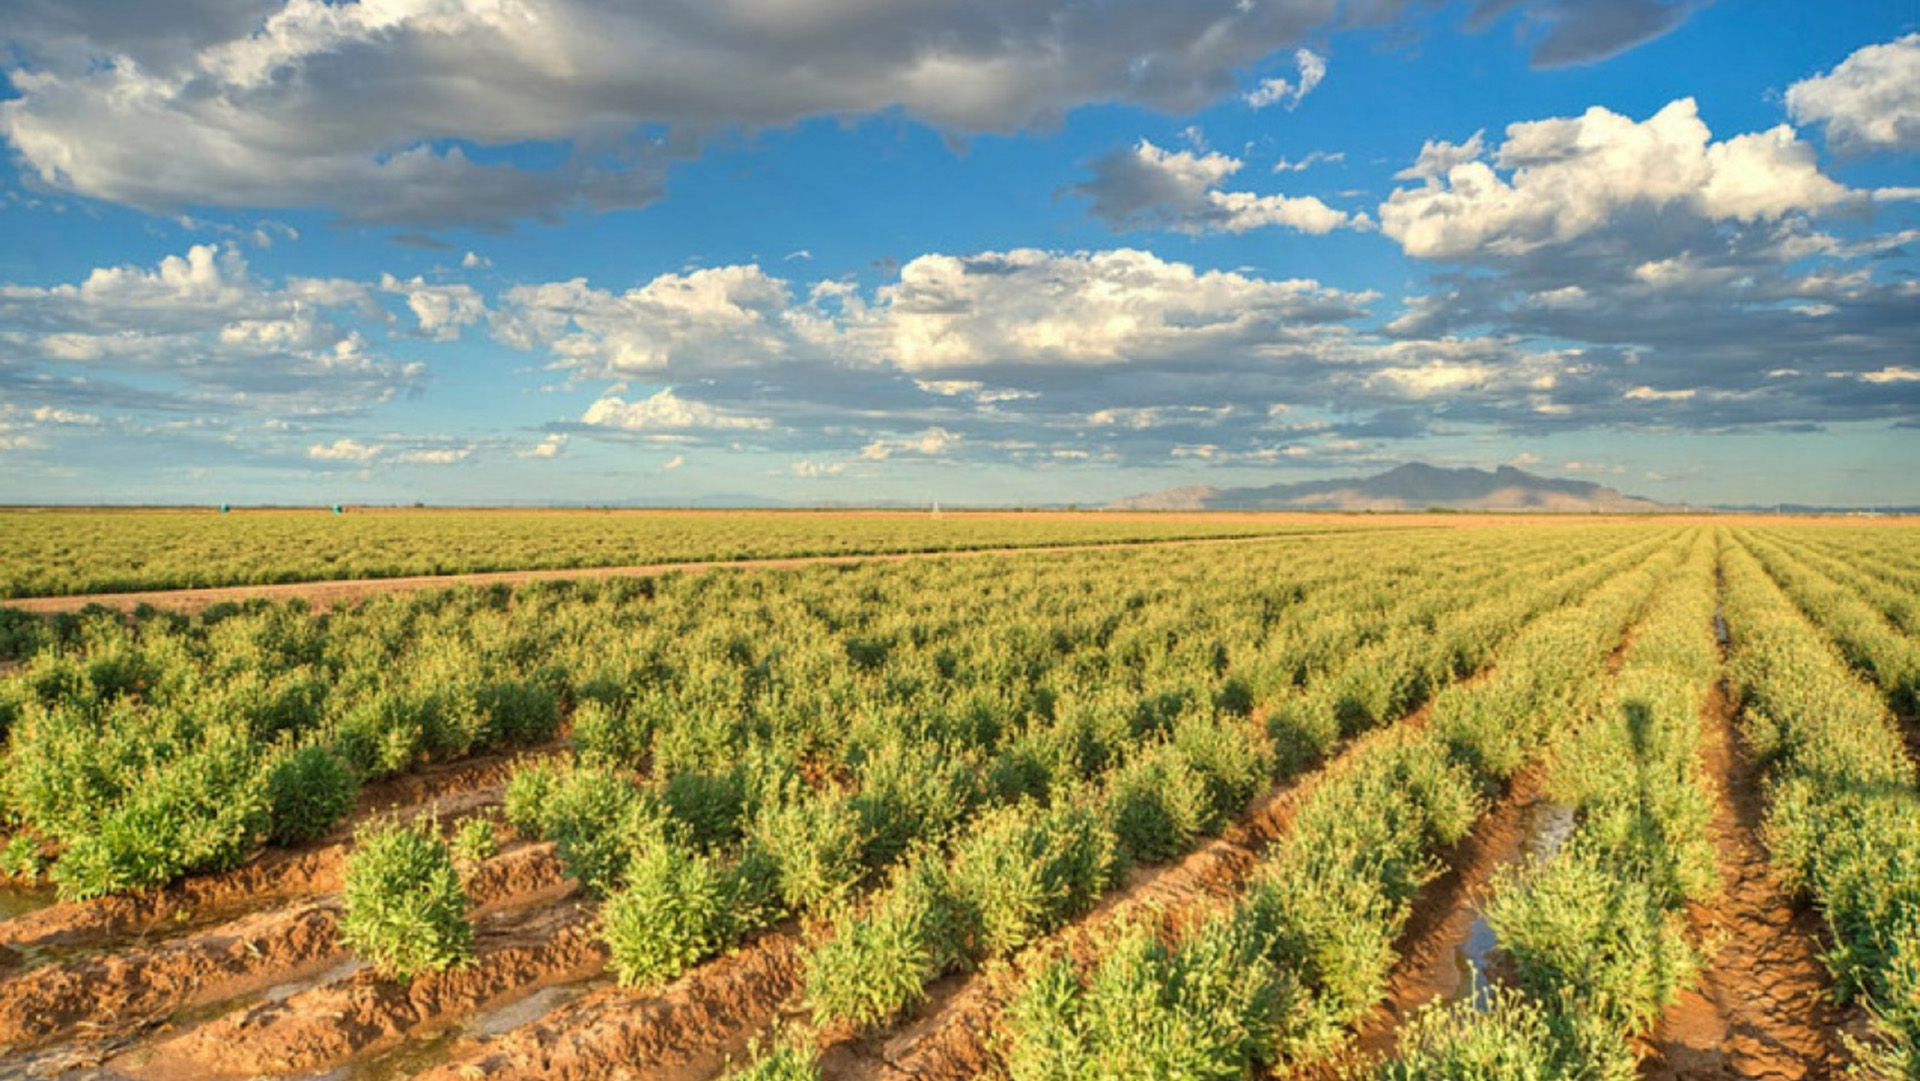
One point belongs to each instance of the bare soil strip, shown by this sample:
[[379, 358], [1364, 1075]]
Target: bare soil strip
[[129, 990], [326, 1025], [323, 596], [453, 790], [683, 1030], [1764, 1007]]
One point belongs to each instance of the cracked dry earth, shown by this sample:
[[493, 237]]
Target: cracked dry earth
[[1764, 1008]]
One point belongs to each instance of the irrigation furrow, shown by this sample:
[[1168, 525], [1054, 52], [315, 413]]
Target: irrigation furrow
[[693, 1021], [133, 989], [365, 1011], [1764, 1006], [1445, 951]]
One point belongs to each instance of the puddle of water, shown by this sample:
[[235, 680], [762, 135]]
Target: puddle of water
[[1546, 827], [408, 1058], [18, 900], [280, 992], [1719, 625], [529, 1009]]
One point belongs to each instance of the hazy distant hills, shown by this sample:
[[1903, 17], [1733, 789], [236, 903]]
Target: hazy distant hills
[[1407, 487]]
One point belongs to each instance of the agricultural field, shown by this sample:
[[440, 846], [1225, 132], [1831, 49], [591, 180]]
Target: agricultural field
[[62, 552], [1544, 799]]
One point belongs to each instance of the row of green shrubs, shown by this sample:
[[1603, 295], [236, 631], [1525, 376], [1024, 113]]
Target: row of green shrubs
[[1595, 935], [1886, 654], [1843, 819], [96, 551], [876, 964], [1150, 788], [147, 751], [1892, 592], [1280, 976], [143, 750]]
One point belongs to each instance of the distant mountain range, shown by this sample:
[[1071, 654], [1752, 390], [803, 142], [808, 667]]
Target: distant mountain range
[[1408, 487]]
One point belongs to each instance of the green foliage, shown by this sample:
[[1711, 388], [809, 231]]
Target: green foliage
[[815, 841], [22, 858], [309, 790], [474, 843], [1157, 804], [95, 551], [1508, 1038], [405, 908], [787, 1059], [677, 908], [598, 818], [1204, 1011], [877, 963], [1022, 872], [1843, 824], [605, 734]]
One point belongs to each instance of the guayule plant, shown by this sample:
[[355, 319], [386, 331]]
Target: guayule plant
[[406, 910], [309, 790], [474, 843]]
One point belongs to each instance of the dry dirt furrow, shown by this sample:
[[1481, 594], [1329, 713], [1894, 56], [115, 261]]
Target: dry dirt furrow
[[451, 791], [326, 1025], [1764, 1008], [115, 994]]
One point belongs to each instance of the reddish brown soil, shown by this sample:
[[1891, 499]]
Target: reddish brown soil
[[121, 992], [136, 986], [451, 791], [683, 1030], [317, 1028], [1764, 1008]]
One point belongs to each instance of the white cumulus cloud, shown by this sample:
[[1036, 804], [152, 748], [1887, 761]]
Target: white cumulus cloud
[[1871, 101], [666, 412], [1569, 177]]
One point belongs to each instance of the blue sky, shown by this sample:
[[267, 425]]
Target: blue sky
[[484, 251]]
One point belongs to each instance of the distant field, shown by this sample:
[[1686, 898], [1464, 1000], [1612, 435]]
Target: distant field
[[64, 552], [1014, 815]]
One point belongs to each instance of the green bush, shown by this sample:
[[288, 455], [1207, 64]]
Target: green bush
[[474, 843], [1157, 805], [877, 963], [815, 841], [788, 1059], [1508, 1038], [605, 734], [528, 792], [672, 912], [406, 910], [1601, 943], [203, 810], [710, 805], [598, 822], [310, 789], [1202, 1011], [1022, 872]]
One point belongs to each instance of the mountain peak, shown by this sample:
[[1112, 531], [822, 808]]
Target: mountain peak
[[1411, 486]]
